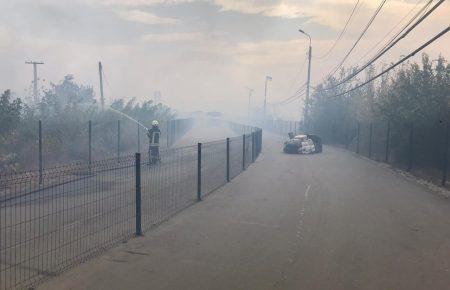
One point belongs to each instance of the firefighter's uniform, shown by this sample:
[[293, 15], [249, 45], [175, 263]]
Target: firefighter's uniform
[[154, 135]]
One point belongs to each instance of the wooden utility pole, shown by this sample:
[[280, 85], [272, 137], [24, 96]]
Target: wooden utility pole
[[35, 79], [100, 72]]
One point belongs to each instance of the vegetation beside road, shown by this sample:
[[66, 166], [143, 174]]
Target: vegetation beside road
[[65, 109]]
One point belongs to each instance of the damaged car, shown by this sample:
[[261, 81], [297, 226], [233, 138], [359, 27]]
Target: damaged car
[[303, 144]]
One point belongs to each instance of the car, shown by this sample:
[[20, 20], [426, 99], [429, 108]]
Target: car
[[303, 144]]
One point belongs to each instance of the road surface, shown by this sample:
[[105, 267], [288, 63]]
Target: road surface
[[328, 221]]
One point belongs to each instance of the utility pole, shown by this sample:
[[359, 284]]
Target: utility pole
[[268, 78], [306, 111], [100, 72], [308, 87], [35, 85]]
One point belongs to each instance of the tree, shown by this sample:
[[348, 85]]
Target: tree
[[413, 93], [65, 109], [10, 112], [418, 94], [66, 96]]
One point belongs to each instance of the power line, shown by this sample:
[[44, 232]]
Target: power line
[[302, 88], [293, 100], [294, 97], [388, 47], [341, 34], [419, 13], [395, 26], [300, 91], [288, 100], [298, 74], [439, 35], [360, 37]]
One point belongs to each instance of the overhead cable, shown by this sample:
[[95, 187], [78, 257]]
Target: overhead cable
[[377, 11], [386, 49], [341, 34], [439, 35]]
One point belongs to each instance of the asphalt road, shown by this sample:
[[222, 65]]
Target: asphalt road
[[328, 221]]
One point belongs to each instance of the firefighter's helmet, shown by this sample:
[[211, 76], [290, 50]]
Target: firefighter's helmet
[[155, 123]]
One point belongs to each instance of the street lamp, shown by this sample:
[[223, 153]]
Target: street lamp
[[309, 78], [268, 78]]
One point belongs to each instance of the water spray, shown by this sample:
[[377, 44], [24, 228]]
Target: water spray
[[128, 117]]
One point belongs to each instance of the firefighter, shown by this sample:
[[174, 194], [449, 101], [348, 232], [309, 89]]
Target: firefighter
[[154, 135]]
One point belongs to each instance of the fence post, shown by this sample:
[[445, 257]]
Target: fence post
[[445, 159], [370, 139], [388, 142], [90, 145], [253, 146], [139, 137], [256, 143], [260, 143], [172, 132], [199, 172], [167, 133], [138, 195], [118, 140], [357, 138], [40, 152], [175, 130], [228, 159], [411, 151], [243, 152]]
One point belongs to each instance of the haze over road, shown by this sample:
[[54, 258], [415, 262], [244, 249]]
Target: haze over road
[[326, 221]]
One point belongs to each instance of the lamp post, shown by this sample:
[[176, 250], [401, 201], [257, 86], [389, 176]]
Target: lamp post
[[308, 81], [268, 78]]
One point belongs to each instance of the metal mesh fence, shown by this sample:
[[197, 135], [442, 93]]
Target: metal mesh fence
[[422, 149], [235, 156], [175, 129], [168, 186], [214, 166], [248, 150], [57, 218], [241, 129], [69, 214], [364, 138], [379, 141], [90, 140]]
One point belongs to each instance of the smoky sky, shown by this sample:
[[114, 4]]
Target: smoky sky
[[201, 54]]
